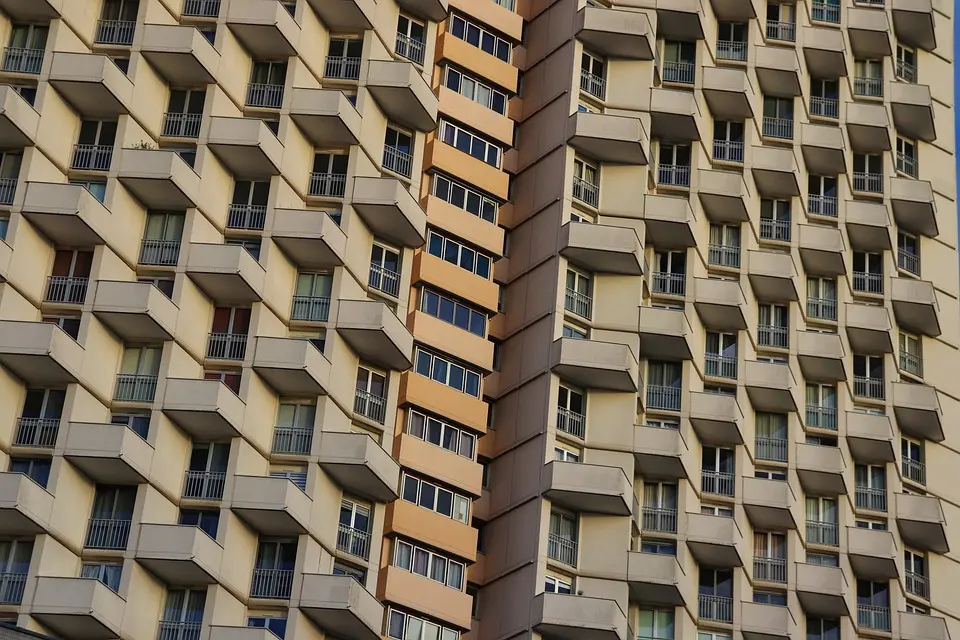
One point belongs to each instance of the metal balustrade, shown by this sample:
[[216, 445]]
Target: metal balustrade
[[914, 470], [772, 449], [735, 50], [578, 303], [412, 50], [159, 253], [715, 608], [716, 482], [562, 549], [728, 150], [37, 432], [917, 584], [770, 569], [11, 587], [586, 192], [667, 283], [822, 308], [178, 630], [907, 164], [8, 190], [866, 282], [227, 346], [906, 71], [825, 12], [107, 534], [397, 160], [867, 182], [342, 68], [370, 406], [663, 397], [204, 485], [780, 128], [908, 261], [115, 32], [723, 255], [135, 388], [384, 280], [679, 72], [292, 440], [720, 366], [868, 87], [822, 205], [873, 617], [867, 387], [782, 31], [824, 107], [66, 290], [821, 417], [571, 422], [181, 125], [769, 335], [673, 175], [771, 229], [22, 60], [659, 519], [310, 308], [247, 217], [870, 498], [354, 541], [92, 157], [201, 8], [592, 84], [271, 583], [823, 533], [911, 363], [265, 96], [327, 185]]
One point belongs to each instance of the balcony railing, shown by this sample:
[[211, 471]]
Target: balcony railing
[[8, 190], [264, 96], [772, 449], [571, 422], [715, 608], [911, 363], [873, 617], [594, 85], [370, 406], [823, 533], [769, 335], [870, 498], [867, 182], [292, 440], [227, 346], [92, 157], [868, 87], [578, 303], [825, 12], [201, 8], [679, 72], [906, 71], [384, 280], [115, 32], [866, 282], [716, 482], [780, 128], [673, 175], [728, 150], [107, 533], [663, 397], [247, 217], [822, 308], [37, 432], [819, 205], [821, 417], [562, 549], [824, 107], [782, 31], [342, 68], [397, 160], [21, 60], [271, 583], [409, 48], [769, 569], [160, 253], [771, 229], [310, 308], [907, 164], [327, 185], [724, 255], [203, 485], [354, 541], [732, 50], [135, 388], [914, 470], [586, 192], [917, 584], [66, 290], [179, 630], [720, 366], [659, 519], [867, 387], [11, 587], [669, 284], [182, 125]]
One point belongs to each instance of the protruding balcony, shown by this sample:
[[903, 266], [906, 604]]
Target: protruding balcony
[[81, 608], [822, 590], [873, 554], [917, 407], [375, 333], [110, 454], [778, 71], [292, 366], [272, 506], [868, 329], [266, 29], [359, 465], [716, 417], [403, 94], [138, 312], [19, 121], [435, 10], [660, 452], [325, 116], [657, 579], [770, 386], [159, 178], [246, 146], [664, 334], [914, 207], [825, 52], [760, 621], [821, 356], [346, 16], [92, 83], [68, 214], [228, 274], [608, 138], [587, 488], [714, 541], [312, 239], [870, 436], [674, 115], [868, 127], [720, 304], [40, 11], [728, 93], [40, 353], [680, 20], [915, 305], [599, 365], [912, 109], [206, 409], [869, 33], [921, 522], [25, 506], [921, 626], [769, 504], [179, 554], [340, 606], [616, 34], [772, 275], [602, 248], [670, 221], [822, 250], [390, 210], [868, 225], [181, 54], [775, 172], [821, 469], [571, 617], [724, 195], [913, 23], [823, 149]]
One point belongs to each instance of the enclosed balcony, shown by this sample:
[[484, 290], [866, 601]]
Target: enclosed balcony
[[228, 274], [822, 590], [292, 366], [25, 506], [390, 210], [246, 146], [68, 214], [81, 608], [608, 138], [600, 365], [657, 579], [272, 506], [92, 83], [206, 409], [770, 386], [616, 34], [340, 606], [110, 454], [716, 418], [873, 554], [179, 554], [358, 464], [40, 353], [587, 488], [375, 333], [770, 505], [821, 469], [181, 54], [159, 179], [572, 617], [714, 541], [918, 411]]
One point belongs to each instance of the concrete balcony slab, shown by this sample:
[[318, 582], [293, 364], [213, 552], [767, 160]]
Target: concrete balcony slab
[[246, 146], [869, 32], [915, 306], [665, 334], [720, 304], [778, 71], [341, 606], [716, 418], [572, 617], [913, 23], [205, 409], [728, 93], [823, 149], [227, 274], [912, 109], [179, 554], [602, 248], [821, 469], [769, 504], [110, 454], [670, 221], [657, 579], [674, 115], [266, 29], [825, 53], [181, 54], [403, 94], [310, 238], [616, 34], [80, 608], [870, 437], [873, 554], [19, 121], [821, 356], [822, 590], [714, 541], [868, 225], [292, 366], [587, 488], [868, 329], [92, 84], [594, 364], [159, 178], [772, 275], [822, 250], [68, 214], [40, 353], [868, 127], [917, 408], [914, 207], [723, 195], [346, 16], [359, 465], [608, 138], [921, 522], [271, 506], [135, 311], [770, 386], [25, 506], [375, 333], [390, 210], [326, 116], [775, 172]]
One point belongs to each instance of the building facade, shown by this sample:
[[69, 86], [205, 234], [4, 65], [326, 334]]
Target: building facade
[[416, 319]]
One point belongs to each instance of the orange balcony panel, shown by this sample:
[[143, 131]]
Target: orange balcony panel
[[476, 116], [460, 282], [463, 224], [413, 591], [478, 62], [443, 401], [410, 521], [507, 22], [450, 160], [445, 337], [437, 462]]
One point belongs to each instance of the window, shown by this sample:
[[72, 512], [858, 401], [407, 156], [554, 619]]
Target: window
[[571, 411], [480, 38], [868, 172], [344, 569], [778, 118], [557, 585], [725, 245], [562, 538], [570, 331], [459, 254], [875, 525], [39, 421], [69, 324], [773, 326], [14, 566], [871, 487], [908, 253], [669, 272], [915, 573], [822, 629], [822, 195], [466, 198], [137, 380], [68, 279], [764, 474], [440, 433], [907, 157], [436, 498], [781, 22], [821, 410], [9, 173], [410, 39], [385, 269], [721, 355], [448, 373], [769, 556], [911, 357], [475, 90], [139, 423], [429, 564], [822, 298], [593, 74], [911, 457], [679, 61], [579, 216], [716, 593], [716, 470], [656, 624], [579, 291], [774, 598], [37, 469], [562, 453], [106, 572], [275, 624], [716, 510], [161, 239], [728, 141], [453, 312], [771, 438], [673, 165], [823, 559], [873, 604], [775, 220], [906, 64], [230, 379], [868, 78], [207, 521], [824, 98], [868, 376], [470, 143], [821, 517], [398, 151], [404, 626], [94, 148], [732, 41], [664, 382]]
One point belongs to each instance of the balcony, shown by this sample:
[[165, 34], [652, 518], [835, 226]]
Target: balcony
[[327, 185], [914, 471], [403, 94], [397, 161], [310, 309], [92, 84], [868, 328], [294, 367], [658, 519], [918, 626], [663, 398], [159, 179], [913, 205], [670, 221], [921, 522], [870, 498], [770, 449], [714, 541], [911, 364], [587, 488], [823, 149], [39, 433], [12, 585], [720, 303], [203, 485], [868, 225], [674, 115], [673, 175], [915, 306], [723, 195], [358, 464], [821, 469], [772, 276], [206, 409], [713, 608], [110, 454], [716, 418], [68, 214], [781, 31], [390, 210], [822, 590], [822, 11], [905, 71], [821, 356], [578, 303], [778, 72], [346, 16], [775, 172], [265, 29], [371, 406], [774, 230], [913, 23], [825, 107], [602, 248], [375, 333], [181, 54], [159, 253], [246, 217], [681, 20], [246, 146], [616, 34], [82, 608], [135, 388], [769, 569], [586, 192], [40, 353], [718, 483], [597, 365], [822, 250], [868, 127], [912, 108], [66, 291], [870, 436], [109, 534], [728, 151], [728, 94], [664, 334], [273, 584], [325, 116], [25, 506], [226, 346], [869, 32], [22, 60], [570, 617], [868, 183], [873, 554], [264, 96], [571, 422], [770, 386], [657, 579], [342, 68], [312, 241], [678, 71], [115, 33], [777, 128], [732, 50], [179, 554], [227, 274], [824, 534], [873, 617], [770, 504], [868, 387], [918, 411], [271, 506], [665, 283], [766, 622], [353, 541], [19, 123], [410, 48], [608, 138], [340, 606], [720, 366], [592, 84]]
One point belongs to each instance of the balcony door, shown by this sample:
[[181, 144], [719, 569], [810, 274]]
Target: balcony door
[[210, 457], [184, 607]]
